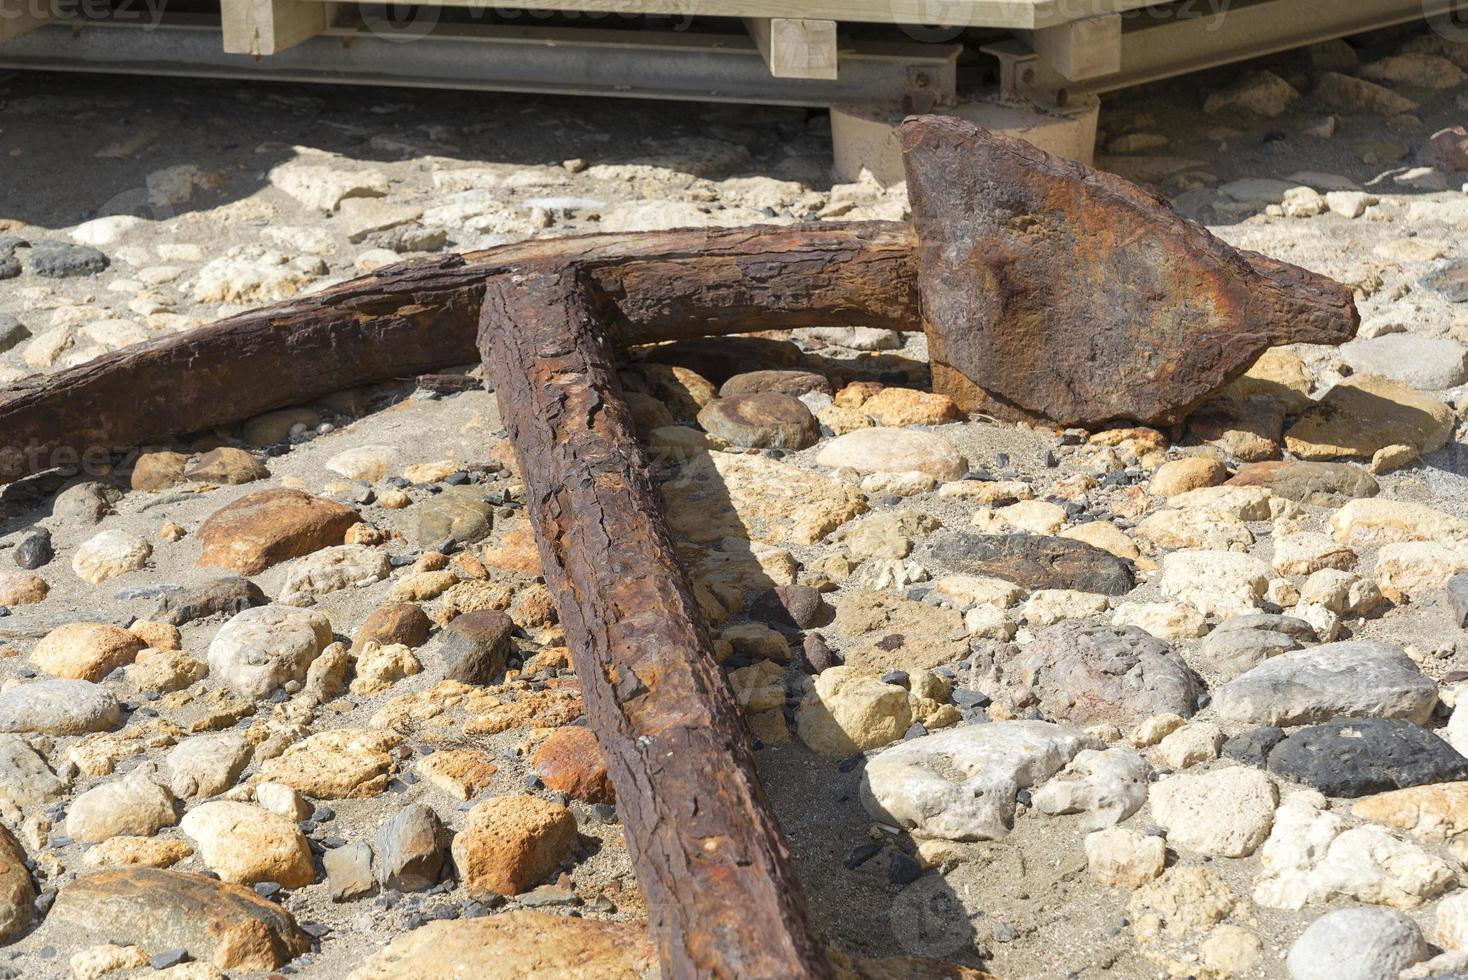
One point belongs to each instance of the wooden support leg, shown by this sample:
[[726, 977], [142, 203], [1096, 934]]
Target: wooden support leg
[[264, 27], [1081, 49], [19, 16], [795, 48], [722, 895]]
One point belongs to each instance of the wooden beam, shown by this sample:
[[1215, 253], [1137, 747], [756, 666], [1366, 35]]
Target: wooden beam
[[795, 48], [1081, 49], [19, 16], [265, 27]]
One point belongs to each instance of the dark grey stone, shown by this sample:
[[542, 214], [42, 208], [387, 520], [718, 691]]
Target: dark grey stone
[[1369, 755], [60, 260], [226, 596], [1036, 561], [34, 549], [474, 647], [410, 849], [1252, 748], [1457, 594], [12, 331]]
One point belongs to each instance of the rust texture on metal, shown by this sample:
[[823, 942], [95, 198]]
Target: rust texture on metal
[[1055, 292], [721, 890]]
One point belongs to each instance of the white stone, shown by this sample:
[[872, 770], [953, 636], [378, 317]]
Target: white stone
[[324, 187], [260, 649], [1355, 678], [332, 569], [1120, 858], [207, 765], [1107, 785], [1224, 813], [110, 554], [1218, 583], [134, 805], [369, 463], [895, 450], [1165, 620], [1048, 606]]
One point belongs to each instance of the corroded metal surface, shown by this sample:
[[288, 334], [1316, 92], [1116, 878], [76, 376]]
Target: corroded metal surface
[[1052, 291]]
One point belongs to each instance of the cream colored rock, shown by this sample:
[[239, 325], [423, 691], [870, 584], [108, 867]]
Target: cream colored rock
[[1231, 951], [134, 805], [98, 961], [367, 463], [1196, 528], [1412, 569], [246, 844], [979, 590], [1451, 925], [1242, 503], [904, 406], [1165, 620], [1108, 537], [1223, 813], [378, 666], [989, 623], [282, 801], [1187, 899], [109, 554], [1035, 516], [332, 569], [1371, 521], [724, 495], [1046, 607], [1181, 475], [844, 712], [1367, 413], [1120, 858], [1305, 554], [1217, 583], [895, 450], [1189, 746]]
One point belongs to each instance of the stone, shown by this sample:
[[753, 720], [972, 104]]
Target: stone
[[216, 922], [1367, 413], [246, 844], [341, 763], [889, 450], [1187, 899], [1259, 93], [27, 784], [715, 496], [59, 260], [97, 961], [17, 890], [1189, 746], [342, 566], [12, 332], [1407, 571], [761, 420], [58, 707], [108, 555], [979, 590], [1108, 786], [366, 463], [1223, 813], [85, 651], [1021, 343], [1216, 583], [1356, 944], [844, 711], [397, 622], [1350, 204], [898, 407], [1343, 593], [1195, 529], [223, 596], [1451, 925], [1170, 621], [261, 649], [1369, 523], [459, 514], [163, 671], [1231, 951], [889, 534], [473, 648], [207, 765], [1426, 363], [1045, 607], [960, 784], [1087, 673], [1417, 69], [1035, 561], [510, 844], [462, 773], [274, 428], [1034, 516], [800, 606], [133, 804], [1233, 652], [570, 761], [271, 526], [158, 471], [378, 666], [1456, 588], [423, 586], [1433, 814], [410, 849], [1121, 858], [1350, 94], [1182, 475], [792, 383], [889, 632], [349, 871], [34, 550], [226, 466], [1354, 678], [1370, 755], [1309, 552], [496, 948], [318, 185], [136, 852]]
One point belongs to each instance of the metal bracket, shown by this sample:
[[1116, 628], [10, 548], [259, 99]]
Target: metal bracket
[[1025, 77]]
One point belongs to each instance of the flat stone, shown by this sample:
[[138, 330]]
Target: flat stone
[[1035, 561], [225, 596], [715, 496], [226, 466], [341, 763], [261, 649], [1224, 813], [1108, 786], [1367, 413], [108, 555], [246, 844], [58, 260], [217, 922], [343, 566], [495, 948], [134, 804], [1356, 944], [459, 513], [1219, 583], [1427, 363], [792, 383], [272, 526], [58, 707], [1354, 678], [1434, 814], [349, 871], [961, 784], [510, 844], [1320, 484], [85, 651], [27, 783], [1085, 673], [1369, 755], [888, 450], [410, 849], [761, 420]]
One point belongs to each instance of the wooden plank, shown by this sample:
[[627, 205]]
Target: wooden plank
[[19, 16], [1081, 49], [265, 27], [795, 48]]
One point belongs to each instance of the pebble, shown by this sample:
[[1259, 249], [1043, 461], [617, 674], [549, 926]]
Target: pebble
[[34, 550]]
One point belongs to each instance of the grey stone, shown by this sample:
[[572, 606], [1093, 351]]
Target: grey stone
[[1368, 755], [1253, 748], [60, 260], [793, 383], [1085, 673], [12, 332], [58, 707], [961, 783], [459, 513], [261, 649], [86, 503], [224, 596], [1427, 363], [1036, 561], [1451, 280], [1457, 595], [1232, 652], [1353, 678], [26, 782], [1321, 484], [474, 647], [349, 871], [1357, 944], [206, 765], [410, 849], [1292, 626], [35, 549]]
